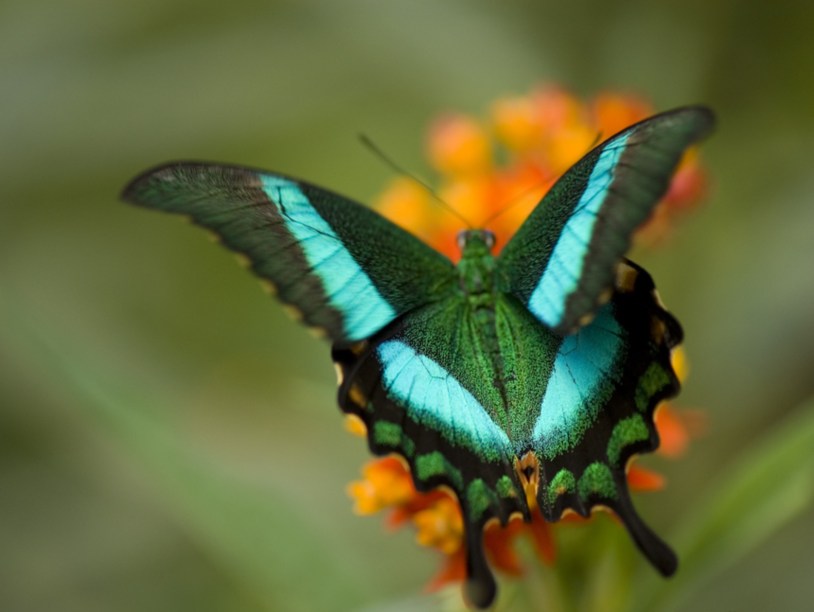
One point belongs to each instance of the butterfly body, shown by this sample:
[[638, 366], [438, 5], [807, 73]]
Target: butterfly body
[[522, 381]]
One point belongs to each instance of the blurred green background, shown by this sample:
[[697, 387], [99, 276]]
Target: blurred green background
[[169, 440]]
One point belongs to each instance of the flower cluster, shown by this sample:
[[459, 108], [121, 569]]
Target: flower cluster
[[497, 170]]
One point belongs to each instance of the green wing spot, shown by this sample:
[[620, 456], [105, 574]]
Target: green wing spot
[[562, 483], [390, 434], [387, 434], [479, 498], [597, 480], [505, 487], [407, 446], [654, 379], [435, 464], [626, 432]]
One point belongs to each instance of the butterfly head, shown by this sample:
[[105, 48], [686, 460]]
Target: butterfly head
[[480, 239]]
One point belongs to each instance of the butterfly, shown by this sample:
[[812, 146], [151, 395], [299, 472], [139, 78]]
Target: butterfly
[[524, 381]]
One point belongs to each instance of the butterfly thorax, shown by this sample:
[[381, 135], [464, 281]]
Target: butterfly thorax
[[476, 269], [477, 282]]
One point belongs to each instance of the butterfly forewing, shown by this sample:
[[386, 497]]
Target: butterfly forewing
[[560, 262], [345, 268]]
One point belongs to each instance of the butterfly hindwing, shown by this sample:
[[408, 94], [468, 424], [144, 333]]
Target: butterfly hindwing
[[348, 270], [598, 408], [560, 262]]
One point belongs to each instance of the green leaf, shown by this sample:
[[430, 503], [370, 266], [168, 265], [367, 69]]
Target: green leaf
[[766, 488]]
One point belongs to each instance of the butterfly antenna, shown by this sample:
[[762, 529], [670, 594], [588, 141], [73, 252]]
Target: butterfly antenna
[[367, 142], [518, 198]]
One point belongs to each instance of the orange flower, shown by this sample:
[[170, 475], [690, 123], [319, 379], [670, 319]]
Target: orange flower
[[438, 521], [496, 170], [386, 483], [459, 146]]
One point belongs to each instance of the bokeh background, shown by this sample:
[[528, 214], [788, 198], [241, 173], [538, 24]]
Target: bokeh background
[[169, 440]]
